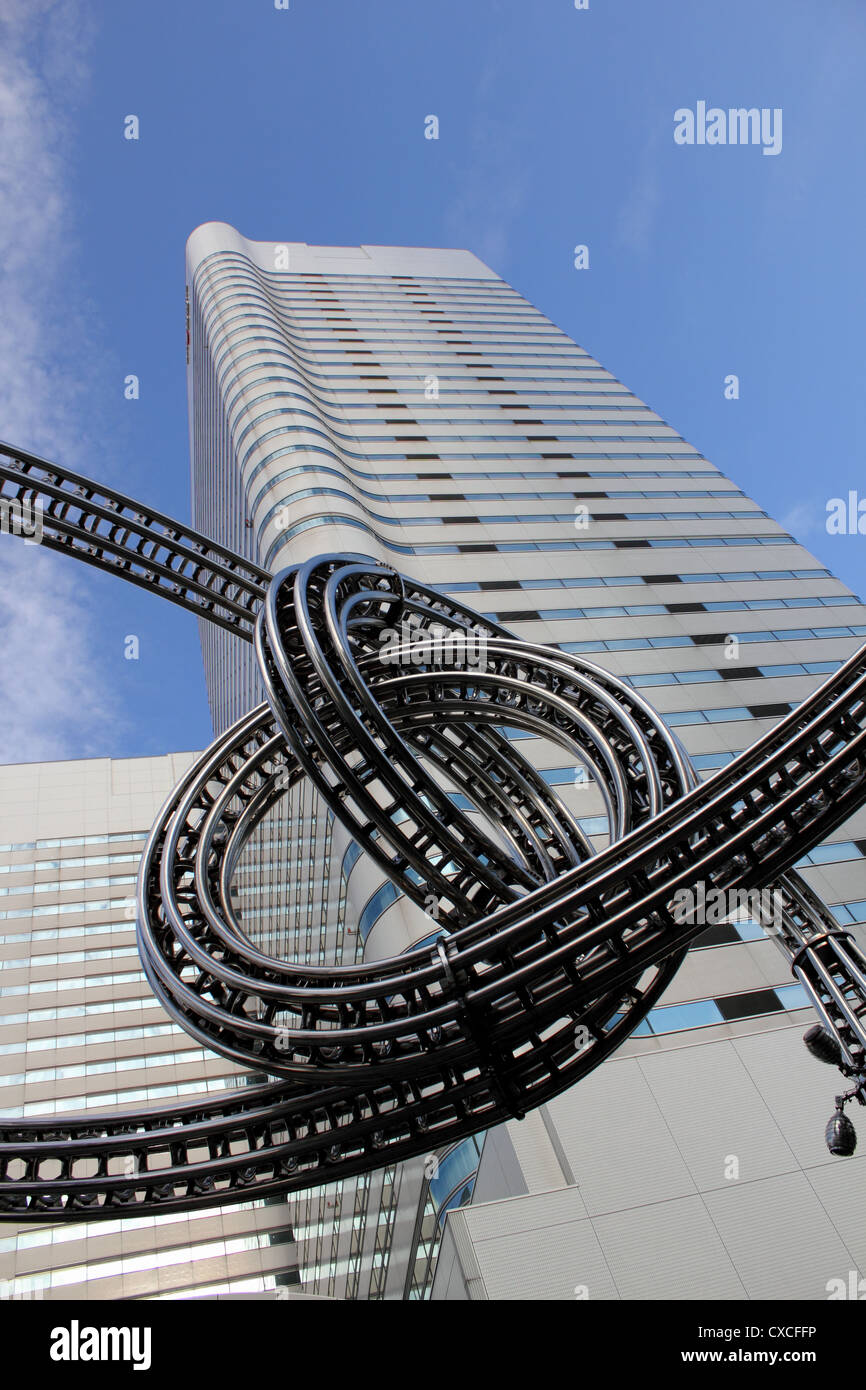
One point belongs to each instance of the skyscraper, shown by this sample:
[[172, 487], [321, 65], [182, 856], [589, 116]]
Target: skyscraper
[[410, 405]]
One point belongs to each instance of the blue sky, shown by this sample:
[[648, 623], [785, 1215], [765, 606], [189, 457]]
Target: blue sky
[[556, 128]]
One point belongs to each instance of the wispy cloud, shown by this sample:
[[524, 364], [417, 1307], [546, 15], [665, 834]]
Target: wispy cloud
[[637, 216], [492, 188], [42, 73], [50, 703], [805, 518], [50, 706], [493, 195]]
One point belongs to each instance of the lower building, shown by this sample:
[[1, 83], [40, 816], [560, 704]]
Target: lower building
[[691, 1165], [81, 1032]]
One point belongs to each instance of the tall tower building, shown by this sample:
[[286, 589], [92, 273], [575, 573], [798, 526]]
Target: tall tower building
[[410, 405]]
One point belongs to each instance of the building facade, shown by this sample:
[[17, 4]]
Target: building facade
[[81, 1032], [409, 405]]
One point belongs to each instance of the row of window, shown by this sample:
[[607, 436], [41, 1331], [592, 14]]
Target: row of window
[[628, 644], [571, 776], [227, 348], [103, 1099], [238, 395], [596, 387], [239, 300], [235, 379], [583, 412], [261, 334], [643, 610], [834, 853], [62, 1277], [77, 863], [101, 1038], [107, 1006], [518, 547], [615, 581], [723, 714], [220, 265], [35, 1076], [262, 1283], [293, 296], [74, 982], [734, 931], [490, 518], [318, 312], [36, 1239], [60, 933], [293, 301], [641, 430], [70, 957], [791, 668], [588, 381], [682, 494], [676, 1018], [850, 913], [105, 905], [225, 315], [729, 714], [125, 836], [313, 336], [62, 885], [287, 427], [462, 476]]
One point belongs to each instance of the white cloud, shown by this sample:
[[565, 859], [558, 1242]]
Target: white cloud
[[637, 215], [804, 517], [493, 194], [50, 703], [42, 57], [492, 190], [49, 706]]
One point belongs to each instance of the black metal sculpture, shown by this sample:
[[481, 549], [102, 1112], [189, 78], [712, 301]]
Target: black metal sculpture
[[547, 955]]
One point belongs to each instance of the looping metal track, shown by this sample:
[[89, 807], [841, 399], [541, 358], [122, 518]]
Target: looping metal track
[[113, 533], [546, 956]]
